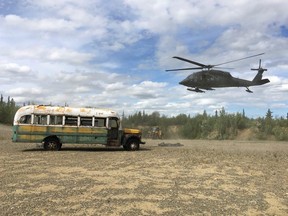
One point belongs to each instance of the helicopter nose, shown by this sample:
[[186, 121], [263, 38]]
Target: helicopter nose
[[183, 82]]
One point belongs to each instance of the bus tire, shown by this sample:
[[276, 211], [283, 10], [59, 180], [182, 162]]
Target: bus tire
[[125, 147], [52, 144], [132, 145]]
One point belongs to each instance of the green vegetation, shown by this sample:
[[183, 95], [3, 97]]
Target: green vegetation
[[7, 110], [221, 125]]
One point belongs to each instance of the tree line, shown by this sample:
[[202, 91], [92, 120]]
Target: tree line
[[7, 110], [221, 125]]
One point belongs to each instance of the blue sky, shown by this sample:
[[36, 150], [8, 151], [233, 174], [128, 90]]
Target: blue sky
[[114, 53]]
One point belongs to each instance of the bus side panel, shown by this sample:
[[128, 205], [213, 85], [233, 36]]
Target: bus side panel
[[21, 133], [86, 135], [92, 135], [37, 133], [66, 134], [28, 133]]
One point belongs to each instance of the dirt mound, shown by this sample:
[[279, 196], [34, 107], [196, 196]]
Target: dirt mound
[[165, 144]]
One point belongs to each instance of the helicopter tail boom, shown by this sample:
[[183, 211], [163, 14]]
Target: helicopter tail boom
[[261, 82]]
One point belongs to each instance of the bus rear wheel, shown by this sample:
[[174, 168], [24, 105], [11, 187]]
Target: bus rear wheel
[[52, 145]]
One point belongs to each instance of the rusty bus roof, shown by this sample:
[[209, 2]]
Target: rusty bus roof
[[58, 110]]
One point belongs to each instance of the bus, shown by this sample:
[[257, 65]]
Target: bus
[[54, 125]]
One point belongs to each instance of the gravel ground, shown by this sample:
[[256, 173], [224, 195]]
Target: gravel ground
[[192, 177]]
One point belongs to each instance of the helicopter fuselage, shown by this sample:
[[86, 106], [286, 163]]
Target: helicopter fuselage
[[208, 79]]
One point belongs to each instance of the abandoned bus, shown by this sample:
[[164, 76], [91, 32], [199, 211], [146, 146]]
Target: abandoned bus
[[53, 126]]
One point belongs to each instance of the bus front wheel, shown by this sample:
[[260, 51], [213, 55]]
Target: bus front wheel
[[52, 145], [132, 145]]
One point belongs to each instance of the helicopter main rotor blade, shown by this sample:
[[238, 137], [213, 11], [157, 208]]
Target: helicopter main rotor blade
[[197, 68], [227, 68], [240, 59], [192, 62]]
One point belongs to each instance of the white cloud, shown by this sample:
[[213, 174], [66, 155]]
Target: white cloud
[[13, 68], [62, 55], [147, 89], [115, 86], [68, 56], [47, 25], [19, 91], [81, 89], [113, 53]]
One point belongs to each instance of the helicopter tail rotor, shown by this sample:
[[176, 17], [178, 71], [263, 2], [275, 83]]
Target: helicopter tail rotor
[[259, 69], [258, 78]]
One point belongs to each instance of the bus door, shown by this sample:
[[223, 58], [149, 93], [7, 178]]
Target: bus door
[[113, 132]]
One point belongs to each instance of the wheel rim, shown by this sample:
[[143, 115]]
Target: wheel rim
[[52, 145], [134, 146]]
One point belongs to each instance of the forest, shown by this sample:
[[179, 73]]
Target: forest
[[221, 125], [7, 110]]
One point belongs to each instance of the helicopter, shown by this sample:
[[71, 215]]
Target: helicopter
[[209, 78]]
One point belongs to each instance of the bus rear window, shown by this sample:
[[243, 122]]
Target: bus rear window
[[25, 119]]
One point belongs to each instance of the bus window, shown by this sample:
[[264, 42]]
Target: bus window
[[25, 119], [100, 122], [85, 121], [113, 123], [71, 120], [55, 120], [40, 119]]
